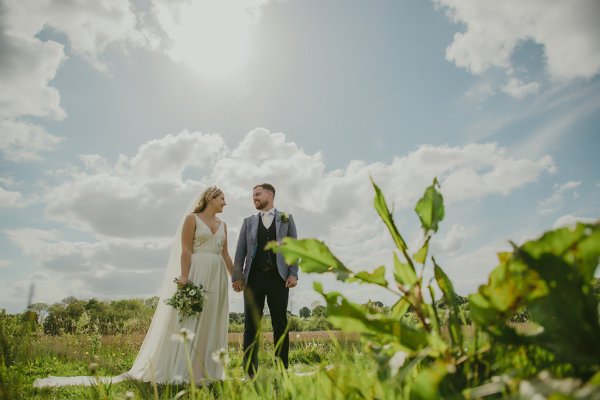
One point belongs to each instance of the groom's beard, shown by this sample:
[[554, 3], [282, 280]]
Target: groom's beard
[[261, 205]]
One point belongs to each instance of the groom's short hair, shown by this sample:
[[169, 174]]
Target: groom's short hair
[[266, 186]]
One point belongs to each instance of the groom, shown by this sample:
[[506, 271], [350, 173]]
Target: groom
[[264, 274]]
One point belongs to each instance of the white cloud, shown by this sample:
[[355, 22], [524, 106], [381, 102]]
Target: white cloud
[[138, 197], [23, 141], [518, 89], [480, 92], [452, 242], [166, 159], [568, 31], [90, 27], [26, 67], [28, 64], [129, 209], [570, 220], [46, 288], [556, 200], [10, 198], [471, 269], [5, 263], [213, 38], [142, 196]]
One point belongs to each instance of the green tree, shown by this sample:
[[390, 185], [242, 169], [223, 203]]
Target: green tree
[[304, 312], [319, 311], [236, 318]]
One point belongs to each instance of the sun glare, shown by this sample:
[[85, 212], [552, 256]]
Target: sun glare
[[211, 37]]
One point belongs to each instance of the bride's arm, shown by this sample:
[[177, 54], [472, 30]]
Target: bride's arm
[[225, 254], [187, 243]]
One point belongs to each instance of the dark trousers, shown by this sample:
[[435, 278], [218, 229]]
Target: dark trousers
[[261, 285]]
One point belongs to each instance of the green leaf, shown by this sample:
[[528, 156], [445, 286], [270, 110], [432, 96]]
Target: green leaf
[[421, 255], [579, 245], [510, 287], [376, 277], [353, 317], [427, 382], [430, 208], [447, 289], [312, 255], [386, 216], [550, 277], [400, 308], [569, 310], [404, 273]]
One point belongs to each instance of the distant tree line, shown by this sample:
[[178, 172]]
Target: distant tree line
[[72, 315]]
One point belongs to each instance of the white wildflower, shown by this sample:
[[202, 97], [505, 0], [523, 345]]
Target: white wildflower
[[183, 335], [397, 361], [129, 396], [221, 356]]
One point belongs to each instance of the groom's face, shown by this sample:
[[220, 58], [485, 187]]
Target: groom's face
[[261, 198]]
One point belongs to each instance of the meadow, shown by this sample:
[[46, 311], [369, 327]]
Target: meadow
[[311, 356], [530, 332]]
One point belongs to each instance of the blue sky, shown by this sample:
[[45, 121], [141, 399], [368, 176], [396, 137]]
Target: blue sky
[[114, 116]]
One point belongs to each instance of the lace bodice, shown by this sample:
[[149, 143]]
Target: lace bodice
[[205, 241]]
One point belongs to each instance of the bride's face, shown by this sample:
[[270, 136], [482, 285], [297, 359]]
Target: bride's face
[[218, 203]]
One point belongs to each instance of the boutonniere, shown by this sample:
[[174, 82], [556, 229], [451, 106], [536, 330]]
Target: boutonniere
[[284, 217]]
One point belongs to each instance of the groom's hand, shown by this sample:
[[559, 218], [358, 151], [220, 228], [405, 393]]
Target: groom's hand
[[291, 282], [238, 286]]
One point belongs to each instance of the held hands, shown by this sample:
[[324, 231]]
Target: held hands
[[291, 282], [238, 286]]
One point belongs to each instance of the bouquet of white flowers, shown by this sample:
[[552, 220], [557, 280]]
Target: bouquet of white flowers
[[188, 299]]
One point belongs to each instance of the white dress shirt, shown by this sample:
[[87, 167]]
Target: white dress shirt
[[268, 217]]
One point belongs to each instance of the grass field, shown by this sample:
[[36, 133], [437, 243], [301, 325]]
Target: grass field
[[312, 354]]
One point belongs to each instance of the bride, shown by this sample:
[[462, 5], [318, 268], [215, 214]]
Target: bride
[[173, 348]]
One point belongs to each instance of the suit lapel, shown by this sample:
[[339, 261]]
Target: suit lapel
[[254, 227], [277, 225]]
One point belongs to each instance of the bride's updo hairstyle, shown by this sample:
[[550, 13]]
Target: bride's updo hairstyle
[[211, 192]]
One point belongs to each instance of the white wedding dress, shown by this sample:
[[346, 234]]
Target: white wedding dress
[[164, 356]]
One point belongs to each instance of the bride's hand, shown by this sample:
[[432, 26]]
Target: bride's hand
[[182, 282]]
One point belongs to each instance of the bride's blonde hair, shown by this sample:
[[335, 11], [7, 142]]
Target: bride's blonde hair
[[211, 192]]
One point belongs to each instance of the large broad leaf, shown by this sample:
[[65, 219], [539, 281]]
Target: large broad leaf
[[312, 255], [386, 216], [510, 287], [551, 277], [569, 311], [430, 208], [579, 245], [447, 288], [353, 317], [376, 277]]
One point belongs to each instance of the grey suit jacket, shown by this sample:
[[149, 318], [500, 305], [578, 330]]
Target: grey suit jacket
[[247, 247]]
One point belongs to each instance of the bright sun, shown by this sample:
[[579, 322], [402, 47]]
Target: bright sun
[[211, 37]]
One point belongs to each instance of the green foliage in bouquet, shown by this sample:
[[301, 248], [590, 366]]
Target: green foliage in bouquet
[[427, 352], [188, 300]]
